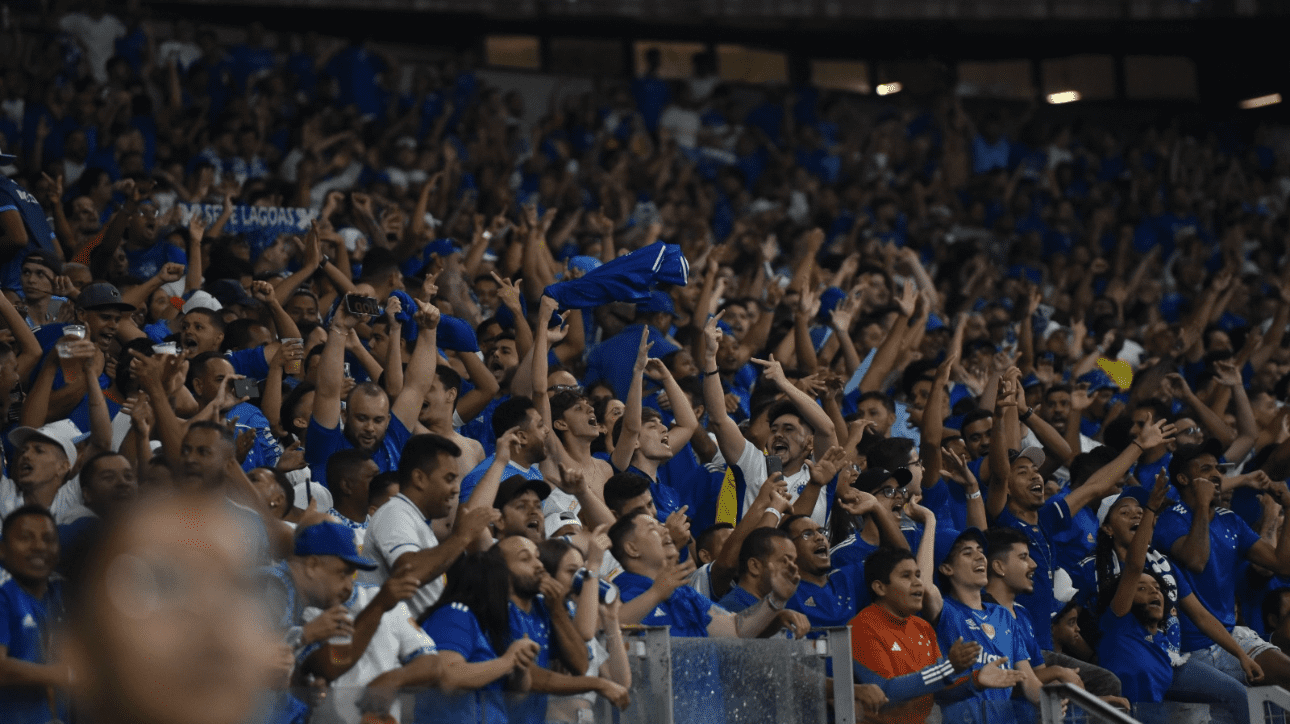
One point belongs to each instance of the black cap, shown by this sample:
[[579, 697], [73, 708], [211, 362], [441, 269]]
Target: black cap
[[229, 292], [511, 488], [870, 479], [102, 295], [46, 259], [7, 157]]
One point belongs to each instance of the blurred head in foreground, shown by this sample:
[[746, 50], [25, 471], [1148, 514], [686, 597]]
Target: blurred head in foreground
[[165, 624]]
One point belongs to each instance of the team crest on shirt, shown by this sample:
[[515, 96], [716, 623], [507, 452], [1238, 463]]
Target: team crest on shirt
[[810, 601], [988, 629]]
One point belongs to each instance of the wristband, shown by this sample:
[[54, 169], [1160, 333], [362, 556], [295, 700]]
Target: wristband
[[974, 496], [778, 515], [1026, 415], [1154, 511], [713, 372], [1143, 449]]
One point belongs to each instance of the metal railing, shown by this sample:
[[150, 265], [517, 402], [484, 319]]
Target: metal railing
[[1062, 703], [1269, 704]]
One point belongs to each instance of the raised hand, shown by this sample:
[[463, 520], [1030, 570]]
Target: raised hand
[[572, 481], [507, 444], [1155, 433], [427, 316], [642, 352], [774, 371], [827, 467], [712, 335], [508, 293], [471, 521], [1227, 373], [908, 299], [656, 370], [678, 526]]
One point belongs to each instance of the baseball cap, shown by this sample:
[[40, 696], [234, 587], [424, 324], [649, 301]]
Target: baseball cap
[[947, 538], [102, 295], [201, 300], [869, 480], [7, 157], [934, 322], [230, 292], [47, 259], [62, 433], [1133, 492], [657, 302], [1098, 380], [1033, 453], [331, 539], [556, 521], [511, 488]]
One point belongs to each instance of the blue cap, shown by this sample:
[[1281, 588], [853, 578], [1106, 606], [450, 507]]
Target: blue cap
[[657, 302], [331, 539], [1098, 380], [456, 335], [947, 538], [1031, 380], [934, 322]]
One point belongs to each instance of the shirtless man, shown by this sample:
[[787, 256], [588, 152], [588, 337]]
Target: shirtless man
[[437, 412]]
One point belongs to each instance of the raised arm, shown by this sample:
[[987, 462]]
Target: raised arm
[[730, 441], [1192, 550], [812, 414], [891, 347], [331, 370], [686, 422], [28, 352], [625, 447], [1000, 468], [421, 368], [1137, 557]]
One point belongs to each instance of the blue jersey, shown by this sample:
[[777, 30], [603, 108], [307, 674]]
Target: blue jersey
[[1140, 659], [536, 624], [24, 632], [738, 599], [850, 551], [473, 477], [145, 263], [994, 627], [1229, 540], [837, 601], [687, 611], [39, 234], [1054, 519], [321, 443], [265, 450], [1077, 542], [455, 628]]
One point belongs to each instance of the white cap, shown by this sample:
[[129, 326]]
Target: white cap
[[1033, 453], [202, 300], [62, 432], [1063, 587], [556, 521]]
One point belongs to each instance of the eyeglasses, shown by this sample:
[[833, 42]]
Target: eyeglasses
[[917, 463], [893, 492], [810, 533], [555, 389], [1190, 431]]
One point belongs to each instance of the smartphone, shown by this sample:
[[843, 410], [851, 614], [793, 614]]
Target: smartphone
[[246, 387], [358, 304], [55, 304], [774, 465]]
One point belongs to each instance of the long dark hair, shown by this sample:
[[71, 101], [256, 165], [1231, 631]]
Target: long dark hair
[[481, 582]]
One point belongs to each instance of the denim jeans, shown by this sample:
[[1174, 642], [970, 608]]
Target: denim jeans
[[1198, 682]]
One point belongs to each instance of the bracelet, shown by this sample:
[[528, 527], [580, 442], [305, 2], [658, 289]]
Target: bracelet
[[1026, 415], [1143, 449], [974, 496], [1154, 511], [778, 515], [713, 372]]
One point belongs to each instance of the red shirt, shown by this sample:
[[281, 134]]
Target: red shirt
[[890, 646]]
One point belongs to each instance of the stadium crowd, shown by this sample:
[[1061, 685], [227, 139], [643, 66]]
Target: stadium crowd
[[1005, 396]]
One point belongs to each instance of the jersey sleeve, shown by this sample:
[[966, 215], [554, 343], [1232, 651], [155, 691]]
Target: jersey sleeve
[[392, 535], [250, 362], [1245, 535], [413, 640], [1170, 527], [453, 628]]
